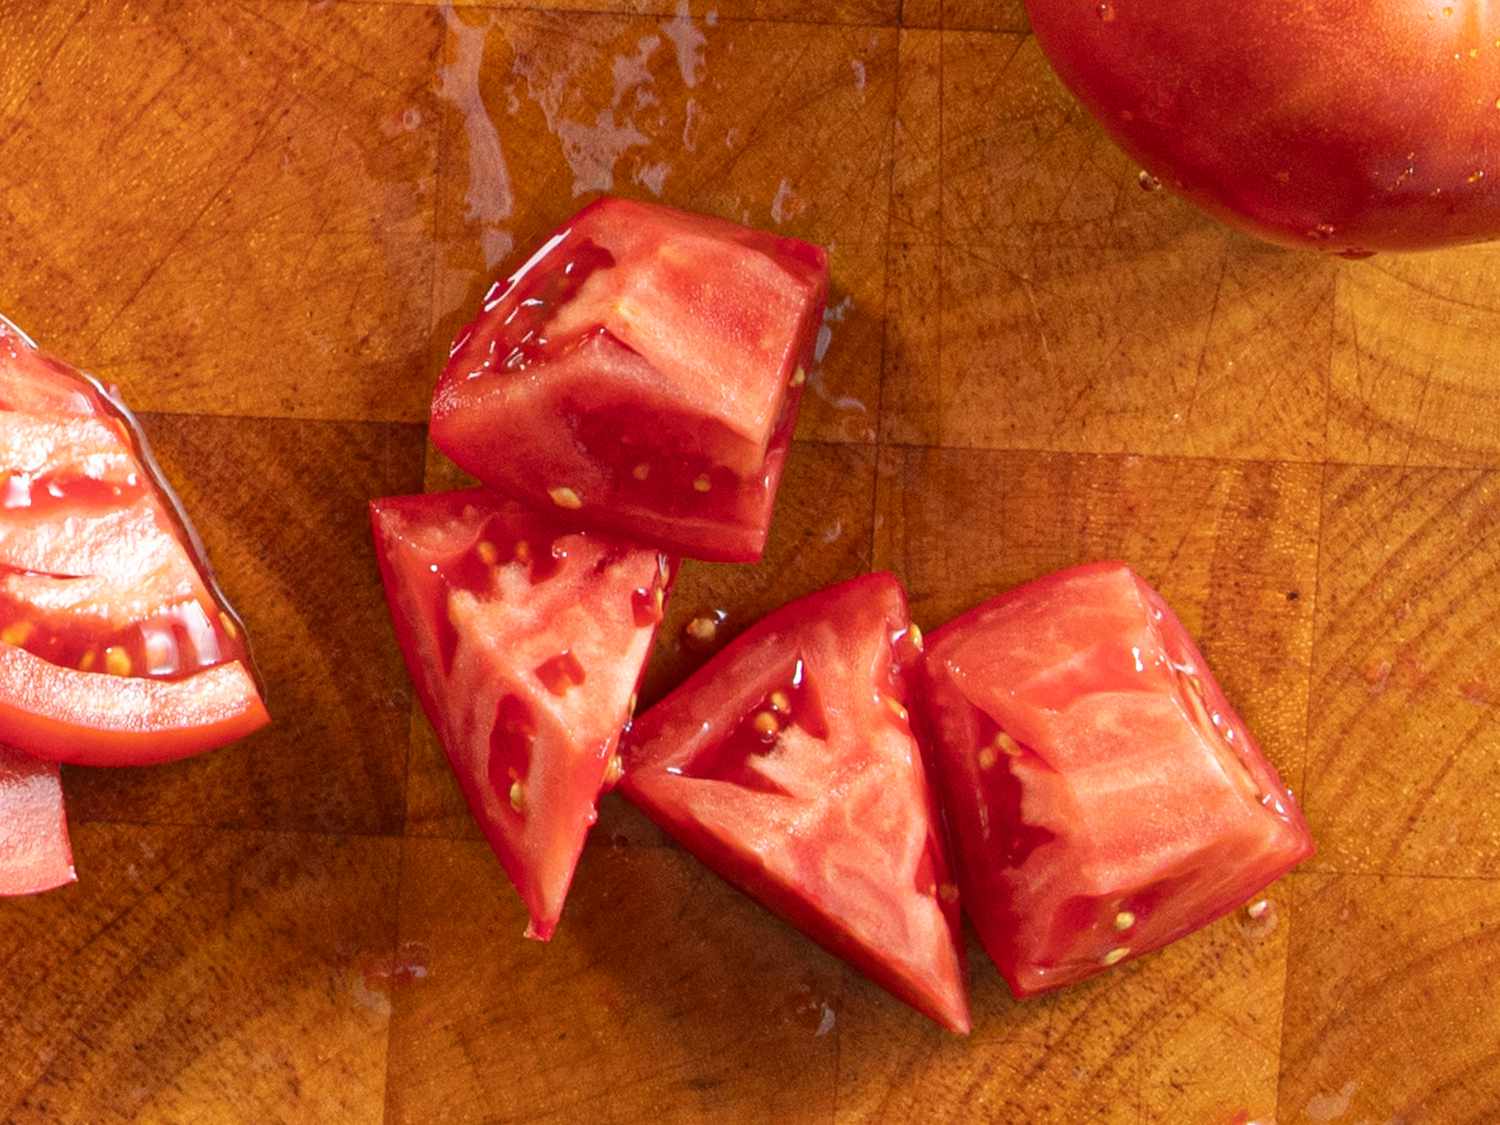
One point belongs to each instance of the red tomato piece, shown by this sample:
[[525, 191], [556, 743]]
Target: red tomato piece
[[1343, 127], [1105, 797], [789, 766], [34, 851], [116, 646], [527, 642], [642, 370]]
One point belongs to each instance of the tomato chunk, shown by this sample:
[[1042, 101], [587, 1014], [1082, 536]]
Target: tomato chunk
[[641, 370], [1105, 797], [116, 646], [34, 851], [788, 764], [526, 641]]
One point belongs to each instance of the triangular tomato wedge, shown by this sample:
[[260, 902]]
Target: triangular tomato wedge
[[788, 765], [527, 642], [116, 646], [34, 851]]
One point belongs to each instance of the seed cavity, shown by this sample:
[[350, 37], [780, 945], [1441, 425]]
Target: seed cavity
[[1116, 955], [17, 633], [117, 661], [487, 552], [518, 796], [701, 483], [1124, 920], [565, 497]]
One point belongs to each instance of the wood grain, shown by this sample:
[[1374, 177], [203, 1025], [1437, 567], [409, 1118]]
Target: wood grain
[[266, 220]]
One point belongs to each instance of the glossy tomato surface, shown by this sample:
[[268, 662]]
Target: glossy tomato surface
[[34, 851], [788, 765], [1349, 126], [116, 647], [1104, 795], [642, 371], [526, 641]]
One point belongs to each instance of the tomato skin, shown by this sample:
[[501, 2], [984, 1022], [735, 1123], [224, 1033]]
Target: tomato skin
[[116, 645], [1104, 796], [1342, 127], [526, 640], [830, 823], [641, 372], [34, 852], [91, 719]]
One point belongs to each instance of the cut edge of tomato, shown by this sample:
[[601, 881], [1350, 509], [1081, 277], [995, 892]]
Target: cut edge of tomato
[[114, 405], [48, 863], [142, 722]]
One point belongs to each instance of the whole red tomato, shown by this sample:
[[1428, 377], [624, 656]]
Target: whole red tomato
[[1347, 126]]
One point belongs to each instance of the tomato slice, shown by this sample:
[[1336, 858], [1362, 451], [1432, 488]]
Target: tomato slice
[[788, 765], [34, 851], [643, 370], [116, 646], [1105, 797], [527, 642]]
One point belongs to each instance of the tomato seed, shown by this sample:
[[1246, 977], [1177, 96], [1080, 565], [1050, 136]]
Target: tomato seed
[[518, 796], [565, 497], [1115, 956], [1124, 920]]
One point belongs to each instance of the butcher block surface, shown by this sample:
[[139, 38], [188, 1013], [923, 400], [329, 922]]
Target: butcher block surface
[[266, 219]]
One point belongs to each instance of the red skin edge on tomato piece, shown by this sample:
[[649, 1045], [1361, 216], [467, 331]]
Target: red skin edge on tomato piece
[[155, 721], [1007, 965]]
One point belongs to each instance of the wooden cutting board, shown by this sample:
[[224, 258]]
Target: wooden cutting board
[[266, 219]]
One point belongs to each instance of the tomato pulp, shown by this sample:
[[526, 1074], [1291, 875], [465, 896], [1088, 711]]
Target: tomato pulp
[[527, 641], [1105, 797], [1348, 127], [116, 646], [34, 851], [788, 764], [641, 371]]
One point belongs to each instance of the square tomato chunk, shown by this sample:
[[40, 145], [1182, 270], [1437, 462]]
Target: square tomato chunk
[[641, 371]]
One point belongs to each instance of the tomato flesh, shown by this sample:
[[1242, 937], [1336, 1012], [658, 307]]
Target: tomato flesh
[[1341, 127], [788, 764], [1105, 798], [642, 370], [526, 641], [116, 646], [34, 851]]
